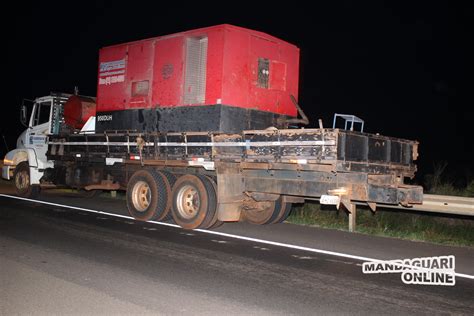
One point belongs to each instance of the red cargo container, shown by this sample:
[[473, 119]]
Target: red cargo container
[[220, 78]]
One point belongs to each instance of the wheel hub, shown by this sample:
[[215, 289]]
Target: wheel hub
[[141, 196], [188, 202], [22, 180]]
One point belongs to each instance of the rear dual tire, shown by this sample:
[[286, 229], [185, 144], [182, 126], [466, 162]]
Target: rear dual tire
[[190, 200], [194, 202], [215, 222], [170, 180], [269, 212], [148, 195]]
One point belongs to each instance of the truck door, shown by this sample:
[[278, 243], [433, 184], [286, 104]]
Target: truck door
[[38, 129]]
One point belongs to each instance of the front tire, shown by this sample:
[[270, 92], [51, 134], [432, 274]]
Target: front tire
[[22, 180]]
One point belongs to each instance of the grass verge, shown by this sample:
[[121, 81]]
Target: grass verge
[[400, 224]]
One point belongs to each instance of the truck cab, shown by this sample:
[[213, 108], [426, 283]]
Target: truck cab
[[42, 118]]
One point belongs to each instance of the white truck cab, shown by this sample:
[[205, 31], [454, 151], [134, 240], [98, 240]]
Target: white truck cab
[[26, 164]]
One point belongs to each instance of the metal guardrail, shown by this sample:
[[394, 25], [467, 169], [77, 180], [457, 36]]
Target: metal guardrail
[[442, 204], [445, 204]]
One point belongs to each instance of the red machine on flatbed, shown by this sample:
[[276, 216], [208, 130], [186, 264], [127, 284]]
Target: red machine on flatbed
[[220, 79], [194, 126]]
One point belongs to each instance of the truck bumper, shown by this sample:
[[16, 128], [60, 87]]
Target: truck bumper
[[405, 195], [352, 186], [7, 172]]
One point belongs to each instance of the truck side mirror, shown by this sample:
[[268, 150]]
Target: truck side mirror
[[23, 115]]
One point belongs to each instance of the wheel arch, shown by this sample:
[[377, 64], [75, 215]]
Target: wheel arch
[[14, 157]]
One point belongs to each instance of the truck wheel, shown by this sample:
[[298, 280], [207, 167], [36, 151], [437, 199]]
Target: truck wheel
[[169, 179], [194, 202], [214, 223], [282, 212], [217, 224], [262, 215], [22, 181], [146, 195], [269, 213]]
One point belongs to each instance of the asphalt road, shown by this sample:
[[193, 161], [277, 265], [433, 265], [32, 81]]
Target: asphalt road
[[58, 260]]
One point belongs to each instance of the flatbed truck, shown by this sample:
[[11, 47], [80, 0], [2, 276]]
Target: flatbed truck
[[196, 128]]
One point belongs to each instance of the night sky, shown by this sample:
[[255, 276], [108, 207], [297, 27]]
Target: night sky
[[406, 69]]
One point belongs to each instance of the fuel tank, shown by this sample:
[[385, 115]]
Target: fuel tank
[[77, 110]]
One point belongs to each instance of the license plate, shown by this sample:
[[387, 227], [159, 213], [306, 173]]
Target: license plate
[[330, 199]]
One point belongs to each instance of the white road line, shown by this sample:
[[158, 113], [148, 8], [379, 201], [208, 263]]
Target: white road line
[[261, 241]]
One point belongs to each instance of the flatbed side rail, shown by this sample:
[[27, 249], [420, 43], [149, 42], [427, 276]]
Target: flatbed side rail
[[305, 162], [353, 151]]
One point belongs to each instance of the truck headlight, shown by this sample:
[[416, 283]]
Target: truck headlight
[[7, 162]]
